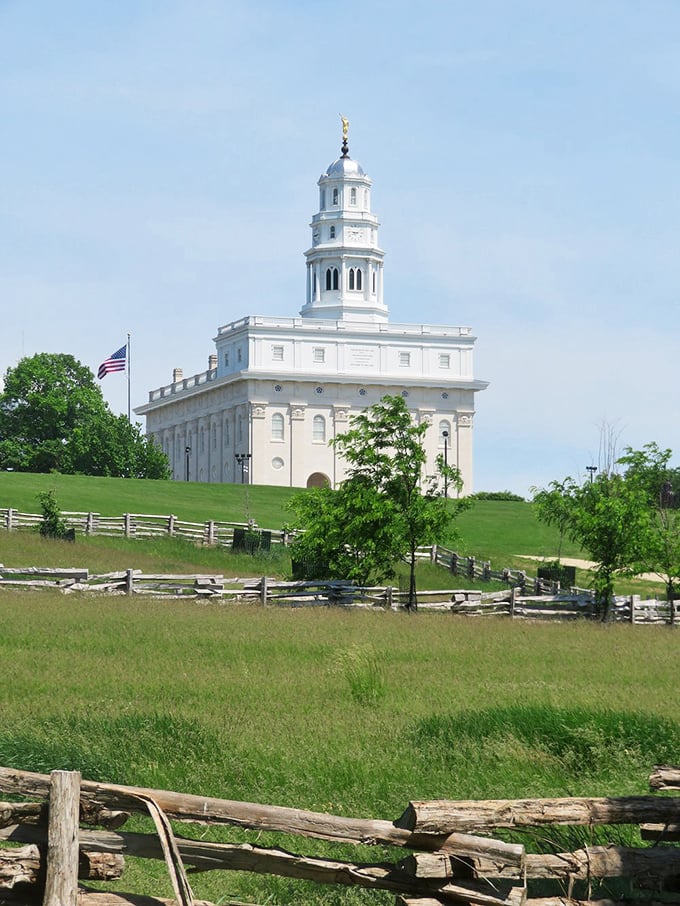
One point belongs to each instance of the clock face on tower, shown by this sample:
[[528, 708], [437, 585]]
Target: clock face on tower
[[355, 234]]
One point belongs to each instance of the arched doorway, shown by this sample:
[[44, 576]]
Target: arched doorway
[[318, 480]]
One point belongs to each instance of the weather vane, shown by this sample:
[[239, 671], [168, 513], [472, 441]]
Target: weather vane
[[345, 127]]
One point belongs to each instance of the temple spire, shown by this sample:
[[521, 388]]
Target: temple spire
[[345, 130]]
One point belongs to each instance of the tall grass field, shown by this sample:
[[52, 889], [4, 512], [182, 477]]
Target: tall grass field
[[353, 713]]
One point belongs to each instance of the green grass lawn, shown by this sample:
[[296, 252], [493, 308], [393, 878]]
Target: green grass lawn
[[499, 531], [489, 530], [354, 713], [113, 496]]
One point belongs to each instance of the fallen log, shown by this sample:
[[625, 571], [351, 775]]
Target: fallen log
[[443, 816], [655, 862], [664, 777], [204, 856], [660, 833], [25, 812], [27, 866], [205, 810]]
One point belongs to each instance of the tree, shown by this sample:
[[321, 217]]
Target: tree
[[52, 525], [386, 508], [110, 445], [659, 551], [607, 516], [53, 417]]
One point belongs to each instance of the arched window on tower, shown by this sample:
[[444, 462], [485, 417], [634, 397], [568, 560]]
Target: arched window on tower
[[319, 429], [335, 196], [277, 426], [332, 233], [355, 278], [329, 278], [353, 195], [314, 283], [374, 282], [336, 278]]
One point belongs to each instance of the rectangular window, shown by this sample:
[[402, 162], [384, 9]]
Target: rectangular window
[[226, 359], [277, 353], [444, 360], [239, 354], [404, 359], [319, 355]]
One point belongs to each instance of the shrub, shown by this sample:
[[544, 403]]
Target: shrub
[[496, 495], [53, 525]]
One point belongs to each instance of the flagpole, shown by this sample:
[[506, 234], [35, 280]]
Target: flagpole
[[129, 368]]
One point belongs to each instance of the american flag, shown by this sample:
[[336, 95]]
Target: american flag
[[115, 362]]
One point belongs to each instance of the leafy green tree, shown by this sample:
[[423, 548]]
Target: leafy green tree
[[52, 525], [110, 445], [648, 470], [608, 517], [53, 417], [386, 508]]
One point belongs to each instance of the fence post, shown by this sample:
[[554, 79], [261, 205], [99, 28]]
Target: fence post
[[129, 579], [632, 608], [471, 567], [127, 523], [61, 883], [433, 554], [263, 590], [513, 592], [388, 597], [171, 524], [210, 534], [89, 524], [454, 563], [10, 519]]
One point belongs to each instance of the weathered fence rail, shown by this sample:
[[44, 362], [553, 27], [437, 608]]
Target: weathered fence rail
[[70, 832], [140, 525], [510, 602]]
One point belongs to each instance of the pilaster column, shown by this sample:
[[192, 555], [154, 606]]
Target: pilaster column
[[297, 446], [260, 447]]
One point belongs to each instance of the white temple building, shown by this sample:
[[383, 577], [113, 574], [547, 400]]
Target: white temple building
[[278, 389]]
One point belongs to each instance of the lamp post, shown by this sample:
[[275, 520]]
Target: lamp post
[[445, 435], [187, 454], [242, 459], [592, 470]]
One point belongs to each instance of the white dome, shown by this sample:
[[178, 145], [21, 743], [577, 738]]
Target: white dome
[[344, 166]]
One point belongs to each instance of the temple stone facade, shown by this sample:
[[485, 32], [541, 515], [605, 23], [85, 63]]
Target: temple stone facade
[[278, 389]]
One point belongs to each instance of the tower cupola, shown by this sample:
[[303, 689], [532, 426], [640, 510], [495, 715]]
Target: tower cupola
[[345, 263]]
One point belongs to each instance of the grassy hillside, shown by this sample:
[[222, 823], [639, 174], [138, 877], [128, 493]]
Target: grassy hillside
[[491, 529], [113, 496], [499, 531]]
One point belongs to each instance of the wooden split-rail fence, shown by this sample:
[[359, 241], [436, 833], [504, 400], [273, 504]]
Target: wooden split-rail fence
[[141, 525], [511, 602], [66, 831], [222, 534]]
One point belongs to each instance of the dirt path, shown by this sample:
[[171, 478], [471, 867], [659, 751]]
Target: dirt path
[[588, 564]]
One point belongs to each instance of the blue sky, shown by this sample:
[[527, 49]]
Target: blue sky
[[158, 170]]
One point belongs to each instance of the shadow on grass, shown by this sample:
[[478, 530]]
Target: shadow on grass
[[136, 749]]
